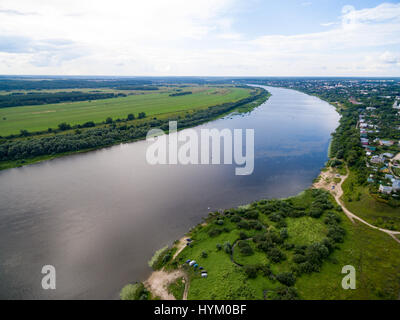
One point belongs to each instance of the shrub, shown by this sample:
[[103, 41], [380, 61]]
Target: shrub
[[336, 233], [135, 291], [243, 235], [251, 214], [315, 212], [250, 271], [286, 278], [286, 293], [256, 225], [109, 120], [284, 233], [245, 249], [64, 126], [235, 218], [204, 254], [243, 225], [275, 217], [228, 247], [214, 232], [157, 258], [259, 238], [275, 255], [265, 270]]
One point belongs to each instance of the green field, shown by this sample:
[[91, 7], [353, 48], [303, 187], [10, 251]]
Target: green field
[[39, 118]]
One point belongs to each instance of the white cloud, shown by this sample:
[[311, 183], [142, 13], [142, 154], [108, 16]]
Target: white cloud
[[186, 37]]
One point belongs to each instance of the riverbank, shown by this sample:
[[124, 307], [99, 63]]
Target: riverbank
[[362, 245]]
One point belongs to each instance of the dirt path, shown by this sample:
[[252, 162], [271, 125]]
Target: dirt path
[[180, 246], [327, 182], [158, 283]]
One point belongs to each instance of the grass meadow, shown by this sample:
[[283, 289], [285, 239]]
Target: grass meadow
[[42, 117]]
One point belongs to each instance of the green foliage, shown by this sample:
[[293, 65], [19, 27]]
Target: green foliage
[[250, 271], [159, 258], [135, 291], [177, 288], [286, 278]]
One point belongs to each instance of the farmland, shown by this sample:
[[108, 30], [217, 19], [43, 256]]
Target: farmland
[[39, 118]]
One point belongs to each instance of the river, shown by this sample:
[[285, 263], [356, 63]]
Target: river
[[98, 217]]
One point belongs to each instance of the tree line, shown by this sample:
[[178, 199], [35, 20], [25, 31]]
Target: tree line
[[35, 98]]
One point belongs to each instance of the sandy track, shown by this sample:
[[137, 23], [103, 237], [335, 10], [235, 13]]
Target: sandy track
[[158, 281]]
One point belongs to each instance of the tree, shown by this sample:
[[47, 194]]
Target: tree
[[131, 116], [142, 115], [64, 126], [109, 120], [250, 271], [286, 278]]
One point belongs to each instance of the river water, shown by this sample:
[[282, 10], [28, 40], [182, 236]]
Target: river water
[[98, 217]]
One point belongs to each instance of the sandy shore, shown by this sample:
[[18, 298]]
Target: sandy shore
[[158, 281]]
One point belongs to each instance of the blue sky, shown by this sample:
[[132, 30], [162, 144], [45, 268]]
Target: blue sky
[[207, 37]]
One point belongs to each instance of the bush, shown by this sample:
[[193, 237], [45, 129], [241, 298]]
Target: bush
[[245, 249], [275, 217], [204, 254], [259, 238], [286, 293], [235, 218], [265, 270], [275, 255], [284, 233], [336, 233], [250, 271], [243, 235], [315, 212], [214, 232], [228, 247], [286, 278], [64, 126], [156, 260], [251, 214], [256, 225], [135, 291], [109, 120], [219, 246], [243, 225]]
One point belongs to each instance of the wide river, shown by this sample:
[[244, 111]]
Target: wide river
[[98, 217]]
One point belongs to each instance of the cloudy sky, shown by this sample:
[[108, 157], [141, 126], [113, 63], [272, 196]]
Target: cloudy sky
[[200, 37]]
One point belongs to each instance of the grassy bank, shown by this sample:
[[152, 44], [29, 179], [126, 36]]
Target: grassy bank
[[279, 249]]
